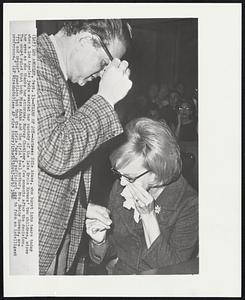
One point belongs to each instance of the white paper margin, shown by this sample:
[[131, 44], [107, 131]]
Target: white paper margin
[[219, 155]]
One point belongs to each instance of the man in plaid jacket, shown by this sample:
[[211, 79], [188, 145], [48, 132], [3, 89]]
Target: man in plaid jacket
[[80, 51]]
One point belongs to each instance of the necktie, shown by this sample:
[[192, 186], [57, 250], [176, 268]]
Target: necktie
[[81, 195]]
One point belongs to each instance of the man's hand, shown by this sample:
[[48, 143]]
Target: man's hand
[[100, 213], [115, 83]]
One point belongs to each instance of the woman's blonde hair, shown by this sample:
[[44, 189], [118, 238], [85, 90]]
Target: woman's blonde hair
[[156, 144]]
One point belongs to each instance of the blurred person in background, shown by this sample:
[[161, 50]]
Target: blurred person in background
[[163, 95], [152, 110], [180, 89], [169, 110], [187, 136], [186, 129], [152, 95]]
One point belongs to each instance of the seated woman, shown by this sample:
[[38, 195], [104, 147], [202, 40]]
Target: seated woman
[[186, 129], [154, 211]]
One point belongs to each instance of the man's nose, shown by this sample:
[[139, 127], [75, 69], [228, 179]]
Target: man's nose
[[100, 74], [94, 76]]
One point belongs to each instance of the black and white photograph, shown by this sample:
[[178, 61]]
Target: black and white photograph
[[140, 212], [118, 151]]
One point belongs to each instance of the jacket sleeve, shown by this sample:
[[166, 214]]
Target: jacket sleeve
[[106, 251], [97, 252], [64, 142], [180, 244]]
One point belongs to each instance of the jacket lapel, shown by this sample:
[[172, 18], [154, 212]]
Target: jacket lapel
[[68, 99], [172, 194], [126, 216]]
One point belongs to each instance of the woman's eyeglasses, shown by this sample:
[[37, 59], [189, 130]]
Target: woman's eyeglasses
[[184, 108], [130, 179]]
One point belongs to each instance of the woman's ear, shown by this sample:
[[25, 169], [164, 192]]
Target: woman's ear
[[155, 180], [153, 177]]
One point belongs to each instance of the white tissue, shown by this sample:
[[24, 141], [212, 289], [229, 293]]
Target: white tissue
[[129, 202]]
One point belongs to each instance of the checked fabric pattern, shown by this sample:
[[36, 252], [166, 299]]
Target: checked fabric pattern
[[66, 136]]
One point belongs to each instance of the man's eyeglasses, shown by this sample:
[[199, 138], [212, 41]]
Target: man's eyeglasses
[[130, 179], [95, 74], [103, 45]]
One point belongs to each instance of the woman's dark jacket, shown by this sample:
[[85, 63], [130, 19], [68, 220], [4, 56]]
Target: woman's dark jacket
[[178, 222]]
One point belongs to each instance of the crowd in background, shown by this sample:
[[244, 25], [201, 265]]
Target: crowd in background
[[162, 102], [169, 103]]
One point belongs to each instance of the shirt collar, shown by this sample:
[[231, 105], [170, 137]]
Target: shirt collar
[[59, 55]]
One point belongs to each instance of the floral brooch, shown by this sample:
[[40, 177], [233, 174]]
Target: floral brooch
[[157, 209]]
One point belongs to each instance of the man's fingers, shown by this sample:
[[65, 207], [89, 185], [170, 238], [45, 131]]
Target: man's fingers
[[127, 72], [123, 66], [127, 83], [116, 62]]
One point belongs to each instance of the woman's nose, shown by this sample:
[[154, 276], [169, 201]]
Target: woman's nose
[[123, 181]]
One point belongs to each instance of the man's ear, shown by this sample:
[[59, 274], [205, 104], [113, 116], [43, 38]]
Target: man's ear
[[85, 38]]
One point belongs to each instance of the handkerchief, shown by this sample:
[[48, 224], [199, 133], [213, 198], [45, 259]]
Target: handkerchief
[[129, 202]]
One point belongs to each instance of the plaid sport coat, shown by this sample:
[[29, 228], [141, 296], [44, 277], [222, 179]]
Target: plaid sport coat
[[66, 136]]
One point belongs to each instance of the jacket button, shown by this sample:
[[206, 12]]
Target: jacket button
[[73, 192], [64, 225]]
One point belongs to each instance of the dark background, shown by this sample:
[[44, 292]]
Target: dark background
[[163, 51]]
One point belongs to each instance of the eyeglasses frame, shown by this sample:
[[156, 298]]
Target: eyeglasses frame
[[129, 179], [103, 45], [104, 48]]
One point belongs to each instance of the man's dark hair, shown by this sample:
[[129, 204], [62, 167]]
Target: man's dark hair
[[106, 29]]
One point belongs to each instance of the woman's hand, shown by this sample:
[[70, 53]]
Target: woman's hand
[[96, 230], [144, 202], [100, 213]]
